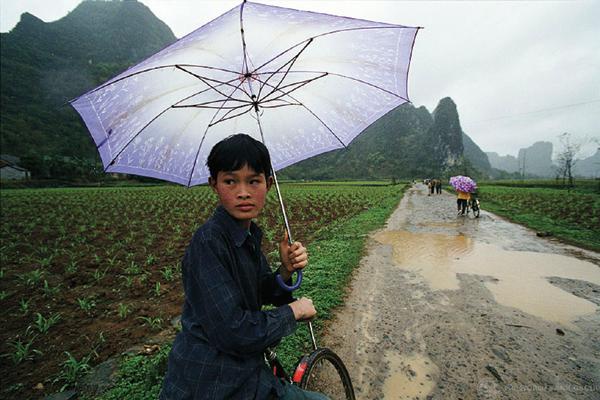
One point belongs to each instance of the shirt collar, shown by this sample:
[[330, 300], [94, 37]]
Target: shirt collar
[[238, 233]]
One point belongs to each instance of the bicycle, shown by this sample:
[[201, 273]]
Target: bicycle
[[320, 371], [473, 205]]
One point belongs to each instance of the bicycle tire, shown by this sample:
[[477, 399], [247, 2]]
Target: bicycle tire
[[323, 371], [476, 208]]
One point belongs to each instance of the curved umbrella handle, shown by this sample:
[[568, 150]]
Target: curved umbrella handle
[[285, 287]]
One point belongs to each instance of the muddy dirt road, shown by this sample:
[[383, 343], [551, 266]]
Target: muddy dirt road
[[449, 307]]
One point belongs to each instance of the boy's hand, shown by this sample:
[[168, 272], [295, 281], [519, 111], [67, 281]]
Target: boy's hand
[[293, 257], [303, 309]]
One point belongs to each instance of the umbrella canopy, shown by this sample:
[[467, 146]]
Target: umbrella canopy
[[304, 83], [463, 183]]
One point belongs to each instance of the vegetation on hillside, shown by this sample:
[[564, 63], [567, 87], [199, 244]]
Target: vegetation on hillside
[[43, 65]]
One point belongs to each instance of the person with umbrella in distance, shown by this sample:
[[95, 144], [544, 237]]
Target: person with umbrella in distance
[[219, 352], [463, 185], [462, 198]]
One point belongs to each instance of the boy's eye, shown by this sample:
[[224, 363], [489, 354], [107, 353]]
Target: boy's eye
[[229, 181]]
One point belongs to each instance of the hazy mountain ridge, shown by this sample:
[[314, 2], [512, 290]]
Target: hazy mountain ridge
[[536, 161], [406, 142]]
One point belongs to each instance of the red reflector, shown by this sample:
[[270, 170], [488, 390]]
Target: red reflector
[[299, 372]]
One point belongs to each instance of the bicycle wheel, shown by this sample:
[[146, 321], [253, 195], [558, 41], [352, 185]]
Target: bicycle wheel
[[476, 208], [324, 372]]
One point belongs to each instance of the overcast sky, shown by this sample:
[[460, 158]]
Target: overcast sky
[[519, 71]]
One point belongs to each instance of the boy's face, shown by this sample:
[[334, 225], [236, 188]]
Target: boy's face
[[242, 192]]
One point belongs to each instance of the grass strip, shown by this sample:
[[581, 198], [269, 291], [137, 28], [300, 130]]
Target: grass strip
[[334, 254]]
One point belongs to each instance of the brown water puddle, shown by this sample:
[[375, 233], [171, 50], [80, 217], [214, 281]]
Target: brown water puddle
[[411, 377], [521, 276]]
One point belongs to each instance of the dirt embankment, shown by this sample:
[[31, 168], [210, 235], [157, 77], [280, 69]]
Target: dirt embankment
[[451, 307]]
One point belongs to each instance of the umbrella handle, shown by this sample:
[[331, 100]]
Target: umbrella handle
[[293, 287]]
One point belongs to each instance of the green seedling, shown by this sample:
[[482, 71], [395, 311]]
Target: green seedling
[[157, 288], [168, 274], [22, 351], [45, 261], [128, 280], [87, 304], [123, 310], [100, 274], [154, 323], [72, 369], [32, 278], [44, 324], [133, 269], [48, 291], [71, 267], [150, 259], [24, 306]]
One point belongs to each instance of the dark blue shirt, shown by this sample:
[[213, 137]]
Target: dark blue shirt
[[219, 352]]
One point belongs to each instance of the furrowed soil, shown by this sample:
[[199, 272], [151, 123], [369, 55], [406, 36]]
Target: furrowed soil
[[453, 307]]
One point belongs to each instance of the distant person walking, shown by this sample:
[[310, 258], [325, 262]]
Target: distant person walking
[[438, 186]]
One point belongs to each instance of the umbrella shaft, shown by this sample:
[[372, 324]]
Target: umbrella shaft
[[285, 219]]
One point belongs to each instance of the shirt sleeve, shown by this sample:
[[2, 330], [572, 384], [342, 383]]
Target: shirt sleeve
[[219, 307]]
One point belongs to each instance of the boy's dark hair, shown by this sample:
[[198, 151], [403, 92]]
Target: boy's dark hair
[[235, 151]]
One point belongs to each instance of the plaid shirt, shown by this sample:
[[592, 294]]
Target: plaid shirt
[[219, 352]]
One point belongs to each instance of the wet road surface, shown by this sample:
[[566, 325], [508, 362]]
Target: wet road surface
[[452, 307]]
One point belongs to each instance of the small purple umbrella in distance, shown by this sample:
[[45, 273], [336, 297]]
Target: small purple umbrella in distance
[[463, 183]]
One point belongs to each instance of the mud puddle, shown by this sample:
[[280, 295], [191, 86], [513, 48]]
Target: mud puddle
[[519, 279], [411, 377]]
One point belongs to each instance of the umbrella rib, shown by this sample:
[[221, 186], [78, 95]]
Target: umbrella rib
[[283, 105], [224, 118], [205, 81], [348, 77], [243, 37], [331, 33], [298, 84], [289, 65], [149, 70], [210, 107], [314, 115], [204, 137]]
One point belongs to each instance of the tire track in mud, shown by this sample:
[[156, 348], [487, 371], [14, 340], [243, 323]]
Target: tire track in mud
[[402, 337]]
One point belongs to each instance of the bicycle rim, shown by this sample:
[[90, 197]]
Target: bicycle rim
[[326, 373]]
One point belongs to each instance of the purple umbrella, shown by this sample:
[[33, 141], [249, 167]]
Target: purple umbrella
[[301, 82], [463, 183]]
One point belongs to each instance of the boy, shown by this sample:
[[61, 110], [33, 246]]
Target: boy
[[219, 352]]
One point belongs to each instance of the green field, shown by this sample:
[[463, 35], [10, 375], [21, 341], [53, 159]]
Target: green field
[[87, 273], [570, 215]]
